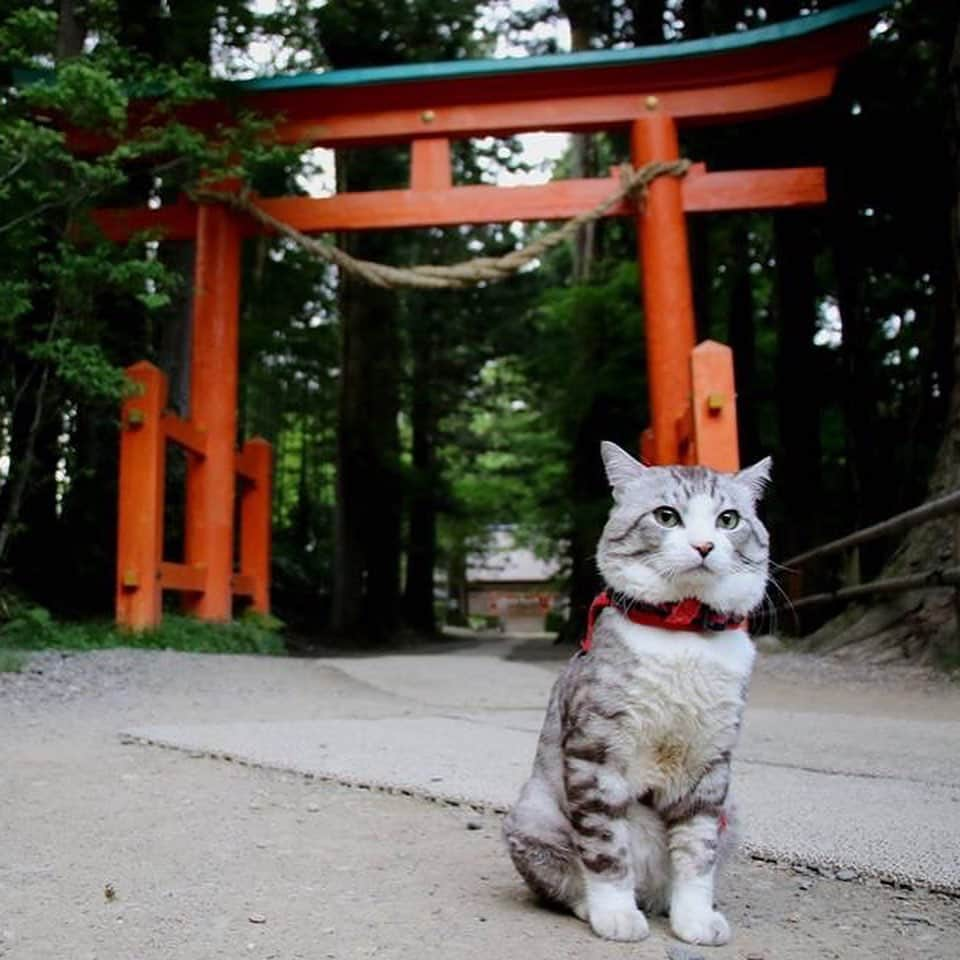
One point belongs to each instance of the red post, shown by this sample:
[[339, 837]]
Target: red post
[[140, 500], [255, 515], [667, 292], [714, 406], [430, 164], [211, 481]]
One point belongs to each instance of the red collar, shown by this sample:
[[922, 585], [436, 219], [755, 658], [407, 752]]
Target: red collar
[[688, 614]]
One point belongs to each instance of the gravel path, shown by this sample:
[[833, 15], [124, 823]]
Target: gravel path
[[116, 850]]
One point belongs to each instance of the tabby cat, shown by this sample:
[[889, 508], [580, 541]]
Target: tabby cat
[[628, 805]]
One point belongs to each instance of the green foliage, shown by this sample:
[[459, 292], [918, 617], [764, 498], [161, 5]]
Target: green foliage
[[12, 661], [27, 33], [502, 464], [591, 344], [84, 367], [24, 621], [14, 303], [31, 627], [85, 94]]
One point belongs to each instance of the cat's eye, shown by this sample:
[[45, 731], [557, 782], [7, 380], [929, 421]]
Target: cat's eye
[[728, 520], [666, 517]]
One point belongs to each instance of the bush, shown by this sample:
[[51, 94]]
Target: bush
[[31, 627], [11, 661]]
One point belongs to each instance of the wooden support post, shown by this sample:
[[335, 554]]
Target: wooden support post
[[667, 292], [430, 164], [851, 568], [714, 407], [255, 515], [211, 481], [140, 500]]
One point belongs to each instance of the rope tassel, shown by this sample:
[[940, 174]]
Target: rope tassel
[[633, 182]]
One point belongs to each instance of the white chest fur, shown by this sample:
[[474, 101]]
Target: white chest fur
[[730, 652], [685, 697]]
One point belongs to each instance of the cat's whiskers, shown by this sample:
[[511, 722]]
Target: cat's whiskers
[[768, 611], [769, 607], [623, 600], [788, 603]]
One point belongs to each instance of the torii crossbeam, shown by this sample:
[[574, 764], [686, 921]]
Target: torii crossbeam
[[651, 91]]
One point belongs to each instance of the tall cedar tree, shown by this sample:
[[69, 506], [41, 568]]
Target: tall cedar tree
[[368, 530]]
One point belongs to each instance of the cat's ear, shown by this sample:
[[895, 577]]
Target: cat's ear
[[755, 478], [620, 466]]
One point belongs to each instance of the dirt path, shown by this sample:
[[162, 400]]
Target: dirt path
[[113, 850]]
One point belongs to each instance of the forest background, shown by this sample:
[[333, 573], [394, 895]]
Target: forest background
[[408, 425]]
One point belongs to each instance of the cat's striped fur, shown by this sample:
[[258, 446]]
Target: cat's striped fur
[[628, 805]]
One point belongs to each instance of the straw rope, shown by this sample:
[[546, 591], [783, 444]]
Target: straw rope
[[633, 182]]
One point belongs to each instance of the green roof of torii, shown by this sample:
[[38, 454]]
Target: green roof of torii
[[462, 69]]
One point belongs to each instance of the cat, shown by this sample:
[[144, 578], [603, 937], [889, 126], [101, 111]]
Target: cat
[[628, 805]]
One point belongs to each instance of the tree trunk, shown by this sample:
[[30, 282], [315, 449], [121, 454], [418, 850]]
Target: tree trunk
[[71, 29], [585, 242], [856, 392], [698, 238], [798, 405], [422, 542], [366, 588], [25, 430], [88, 519], [366, 583], [647, 21], [741, 335], [590, 497], [587, 485], [38, 569], [175, 335]]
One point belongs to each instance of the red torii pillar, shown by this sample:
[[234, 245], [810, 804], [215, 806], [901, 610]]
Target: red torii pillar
[[692, 409], [215, 469], [211, 481], [143, 450]]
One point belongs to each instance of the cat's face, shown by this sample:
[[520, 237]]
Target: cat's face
[[678, 532]]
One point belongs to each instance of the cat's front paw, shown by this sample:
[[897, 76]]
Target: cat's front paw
[[625, 923], [708, 927]]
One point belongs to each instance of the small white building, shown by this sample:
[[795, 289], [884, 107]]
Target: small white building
[[512, 584]]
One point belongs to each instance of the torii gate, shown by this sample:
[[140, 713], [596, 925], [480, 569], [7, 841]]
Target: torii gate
[[652, 91]]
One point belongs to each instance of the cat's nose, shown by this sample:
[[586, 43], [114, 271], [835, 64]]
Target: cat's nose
[[703, 548]]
